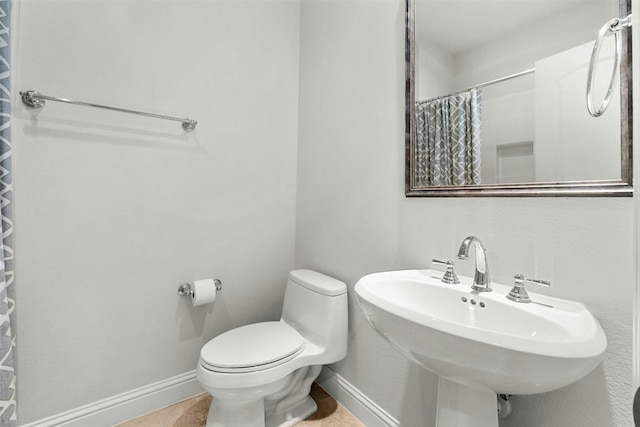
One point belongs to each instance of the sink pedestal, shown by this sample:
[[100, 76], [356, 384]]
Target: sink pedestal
[[464, 405]]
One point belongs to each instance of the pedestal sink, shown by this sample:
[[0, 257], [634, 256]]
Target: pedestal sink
[[481, 344]]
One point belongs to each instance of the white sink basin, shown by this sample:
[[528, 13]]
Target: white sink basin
[[507, 347]]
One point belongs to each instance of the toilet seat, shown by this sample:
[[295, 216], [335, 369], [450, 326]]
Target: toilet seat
[[251, 348]]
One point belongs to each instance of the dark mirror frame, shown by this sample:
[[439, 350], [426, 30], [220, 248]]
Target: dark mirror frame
[[621, 187]]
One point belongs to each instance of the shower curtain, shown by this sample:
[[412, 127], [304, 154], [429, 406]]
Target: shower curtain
[[7, 287], [448, 140]]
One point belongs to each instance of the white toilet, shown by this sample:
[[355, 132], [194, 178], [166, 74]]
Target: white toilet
[[260, 374]]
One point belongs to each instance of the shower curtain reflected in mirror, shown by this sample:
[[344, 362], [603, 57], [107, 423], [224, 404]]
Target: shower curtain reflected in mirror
[[448, 140], [8, 416]]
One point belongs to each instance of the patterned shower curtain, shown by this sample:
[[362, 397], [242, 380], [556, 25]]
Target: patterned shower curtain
[[7, 287], [448, 140]]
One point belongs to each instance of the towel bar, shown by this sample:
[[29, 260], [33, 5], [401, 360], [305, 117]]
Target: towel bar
[[34, 99]]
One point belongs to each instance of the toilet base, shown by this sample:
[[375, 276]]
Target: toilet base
[[292, 416], [283, 403], [236, 413]]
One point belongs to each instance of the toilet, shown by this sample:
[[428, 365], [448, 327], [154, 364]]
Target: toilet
[[260, 374]]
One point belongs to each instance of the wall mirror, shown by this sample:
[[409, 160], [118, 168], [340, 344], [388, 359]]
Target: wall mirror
[[496, 98]]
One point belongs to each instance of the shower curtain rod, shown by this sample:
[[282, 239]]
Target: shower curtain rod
[[488, 83], [505, 78], [34, 99]]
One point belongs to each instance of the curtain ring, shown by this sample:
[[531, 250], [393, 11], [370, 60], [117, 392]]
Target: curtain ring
[[612, 27]]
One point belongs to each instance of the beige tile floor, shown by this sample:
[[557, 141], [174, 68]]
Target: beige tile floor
[[193, 413]]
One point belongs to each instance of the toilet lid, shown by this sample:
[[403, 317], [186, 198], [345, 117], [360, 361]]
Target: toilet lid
[[252, 347]]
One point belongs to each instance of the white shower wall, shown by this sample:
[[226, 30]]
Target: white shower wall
[[114, 211]]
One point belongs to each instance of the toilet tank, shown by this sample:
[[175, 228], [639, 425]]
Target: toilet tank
[[316, 306]]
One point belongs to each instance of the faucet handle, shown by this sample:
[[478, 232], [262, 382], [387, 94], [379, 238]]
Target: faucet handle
[[518, 293], [450, 275]]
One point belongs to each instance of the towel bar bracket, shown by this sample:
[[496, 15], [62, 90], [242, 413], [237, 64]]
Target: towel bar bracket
[[30, 100]]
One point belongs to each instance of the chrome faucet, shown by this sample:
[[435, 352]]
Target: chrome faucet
[[481, 280]]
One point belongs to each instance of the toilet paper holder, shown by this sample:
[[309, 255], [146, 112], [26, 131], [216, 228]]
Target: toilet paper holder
[[185, 288]]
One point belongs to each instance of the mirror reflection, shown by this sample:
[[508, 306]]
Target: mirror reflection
[[500, 94]]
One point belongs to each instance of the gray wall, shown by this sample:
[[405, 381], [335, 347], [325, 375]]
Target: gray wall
[[353, 219], [114, 211]]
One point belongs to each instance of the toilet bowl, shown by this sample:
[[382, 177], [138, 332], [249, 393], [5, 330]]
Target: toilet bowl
[[260, 374]]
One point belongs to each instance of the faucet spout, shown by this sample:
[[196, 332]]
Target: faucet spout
[[481, 279]]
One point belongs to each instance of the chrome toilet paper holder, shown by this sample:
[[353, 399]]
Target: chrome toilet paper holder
[[185, 288]]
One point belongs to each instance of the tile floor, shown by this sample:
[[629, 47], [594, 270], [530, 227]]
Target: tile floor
[[193, 413]]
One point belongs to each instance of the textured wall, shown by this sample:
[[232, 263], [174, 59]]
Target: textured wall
[[115, 211], [353, 219], [506, 55]]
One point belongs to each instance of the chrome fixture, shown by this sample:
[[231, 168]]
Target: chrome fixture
[[450, 275], [613, 27], [518, 293], [487, 83], [481, 279], [185, 289], [34, 99]]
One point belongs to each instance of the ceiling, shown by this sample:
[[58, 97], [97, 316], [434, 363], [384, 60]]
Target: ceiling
[[458, 25]]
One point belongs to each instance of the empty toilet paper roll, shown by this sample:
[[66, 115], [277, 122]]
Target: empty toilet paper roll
[[203, 292]]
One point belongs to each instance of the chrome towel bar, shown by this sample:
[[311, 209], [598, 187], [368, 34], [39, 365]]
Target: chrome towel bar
[[34, 99]]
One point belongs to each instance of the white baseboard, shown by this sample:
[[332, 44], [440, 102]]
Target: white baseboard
[[363, 408], [120, 408]]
